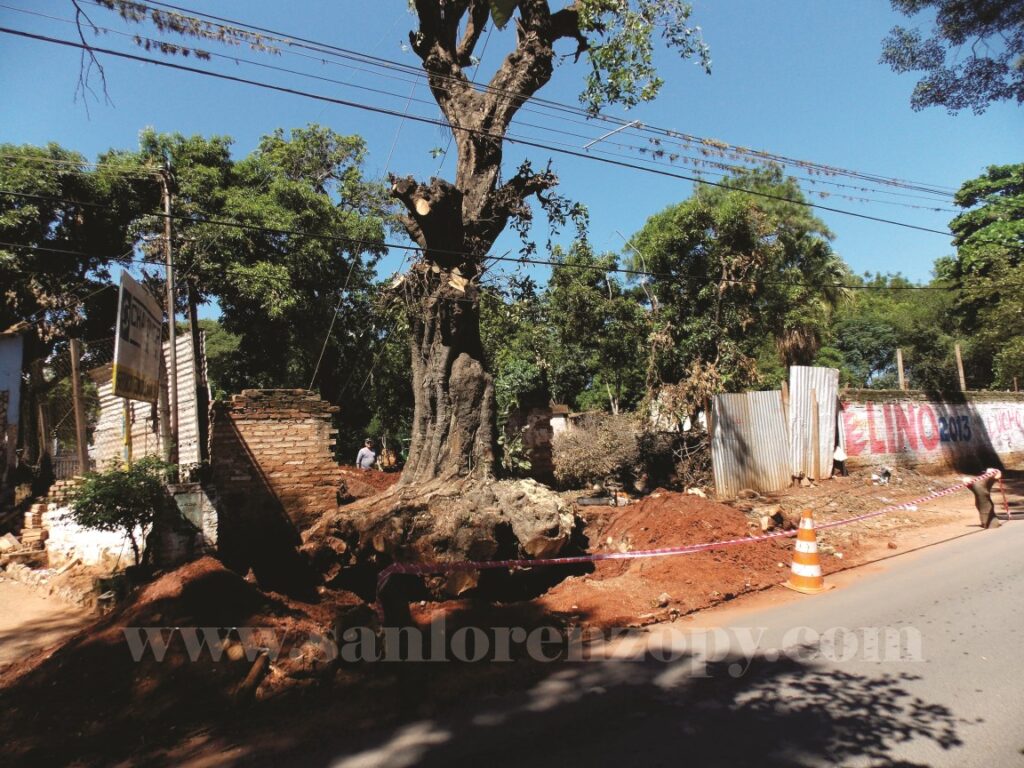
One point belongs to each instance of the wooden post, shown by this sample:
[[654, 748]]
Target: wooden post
[[127, 430], [79, 406], [709, 423], [960, 368], [899, 369], [785, 403], [171, 329], [198, 383], [815, 435], [164, 413]]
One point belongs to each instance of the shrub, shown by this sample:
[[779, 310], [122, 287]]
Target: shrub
[[123, 499], [599, 445]]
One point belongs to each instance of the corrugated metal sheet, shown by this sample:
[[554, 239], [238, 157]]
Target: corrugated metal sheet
[[825, 383], [748, 443]]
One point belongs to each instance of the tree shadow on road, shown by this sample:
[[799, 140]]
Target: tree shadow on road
[[776, 713]]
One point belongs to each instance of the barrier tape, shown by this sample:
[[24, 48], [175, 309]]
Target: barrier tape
[[425, 569], [1006, 503]]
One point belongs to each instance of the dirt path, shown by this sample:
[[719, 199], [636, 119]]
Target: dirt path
[[30, 622]]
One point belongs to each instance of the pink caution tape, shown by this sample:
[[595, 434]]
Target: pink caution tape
[[424, 569]]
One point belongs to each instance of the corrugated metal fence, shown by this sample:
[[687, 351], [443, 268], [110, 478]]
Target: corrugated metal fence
[[812, 388], [749, 447], [761, 442]]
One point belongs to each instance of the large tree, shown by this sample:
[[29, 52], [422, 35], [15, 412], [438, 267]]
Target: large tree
[[452, 458], [974, 55], [989, 236], [738, 272], [63, 228]]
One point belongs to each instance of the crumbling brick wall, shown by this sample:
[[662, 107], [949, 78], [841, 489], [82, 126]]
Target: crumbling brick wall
[[277, 441]]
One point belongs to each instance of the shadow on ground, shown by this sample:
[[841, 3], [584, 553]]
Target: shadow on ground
[[651, 712]]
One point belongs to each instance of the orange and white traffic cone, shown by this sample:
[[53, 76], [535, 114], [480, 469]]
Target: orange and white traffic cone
[[806, 572]]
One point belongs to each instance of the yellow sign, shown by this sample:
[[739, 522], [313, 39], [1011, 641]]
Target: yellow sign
[[138, 344]]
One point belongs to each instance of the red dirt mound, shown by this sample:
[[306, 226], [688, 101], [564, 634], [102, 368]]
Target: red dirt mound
[[91, 688], [367, 482], [627, 592]]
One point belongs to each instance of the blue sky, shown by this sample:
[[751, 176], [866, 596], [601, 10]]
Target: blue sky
[[799, 78]]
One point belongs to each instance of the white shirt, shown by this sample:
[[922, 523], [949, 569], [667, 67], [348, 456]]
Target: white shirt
[[366, 458]]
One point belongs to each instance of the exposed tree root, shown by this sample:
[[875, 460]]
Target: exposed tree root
[[443, 521]]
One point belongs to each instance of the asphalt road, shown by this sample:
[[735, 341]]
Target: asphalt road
[[786, 686]]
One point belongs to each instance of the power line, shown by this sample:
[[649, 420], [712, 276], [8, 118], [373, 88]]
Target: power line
[[518, 260], [515, 137], [419, 75], [320, 47], [432, 121], [714, 145], [641, 149]]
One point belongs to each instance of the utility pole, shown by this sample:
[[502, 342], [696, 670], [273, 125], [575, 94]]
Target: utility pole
[[899, 368], [172, 374], [198, 382], [960, 368], [79, 406]]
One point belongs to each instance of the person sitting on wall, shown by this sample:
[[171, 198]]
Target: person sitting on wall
[[366, 457]]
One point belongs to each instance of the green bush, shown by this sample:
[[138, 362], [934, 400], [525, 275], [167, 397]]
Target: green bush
[[125, 500]]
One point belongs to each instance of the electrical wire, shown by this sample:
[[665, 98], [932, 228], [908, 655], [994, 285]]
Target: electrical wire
[[714, 145], [433, 121], [322, 48], [518, 260]]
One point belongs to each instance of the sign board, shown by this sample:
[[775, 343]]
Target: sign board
[[138, 344]]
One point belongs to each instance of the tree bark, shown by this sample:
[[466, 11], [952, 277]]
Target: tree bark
[[453, 431]]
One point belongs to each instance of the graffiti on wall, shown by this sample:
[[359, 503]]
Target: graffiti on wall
[[924, 429]]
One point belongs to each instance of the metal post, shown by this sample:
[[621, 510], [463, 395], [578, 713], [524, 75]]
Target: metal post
[[79, 406], [899, 368], [960, 367], [172, 374]]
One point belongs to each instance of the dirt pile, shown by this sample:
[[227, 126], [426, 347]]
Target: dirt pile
[[361, 483], [632, 592], [103, 691]]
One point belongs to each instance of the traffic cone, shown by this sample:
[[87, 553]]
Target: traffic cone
[[805, 575]]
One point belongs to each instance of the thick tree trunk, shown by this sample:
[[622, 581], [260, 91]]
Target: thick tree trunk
[[448, 506], [453, 432]]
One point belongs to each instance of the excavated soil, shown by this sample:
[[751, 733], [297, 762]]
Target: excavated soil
[[367, 482], [637, 592], [87, 702], [90, 690]]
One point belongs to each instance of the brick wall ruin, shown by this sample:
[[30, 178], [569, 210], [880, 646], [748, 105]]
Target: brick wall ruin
[[275, 474], [281, 441]]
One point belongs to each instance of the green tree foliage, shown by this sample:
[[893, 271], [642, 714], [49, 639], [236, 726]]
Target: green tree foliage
[[291, 304], [124, 500], [891, 313], [973, 56], [740, 271], [987, 273], [601, 325], [59, 245], [270, 286], [580, 341]]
